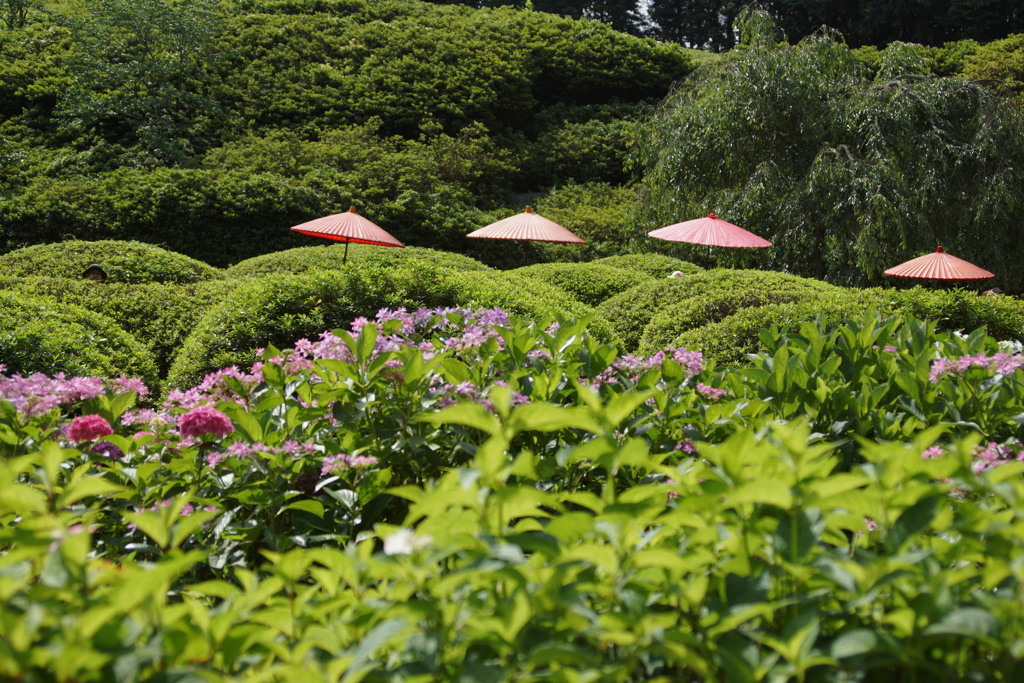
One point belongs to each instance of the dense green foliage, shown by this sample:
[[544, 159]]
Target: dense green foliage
[[303, 259], [846, 175], [444, 498], [278, 310], [44, 334], [591, 283], [271, 113], [658, 265], [731, 338], [630, 312], [160, 316], [121, 261]]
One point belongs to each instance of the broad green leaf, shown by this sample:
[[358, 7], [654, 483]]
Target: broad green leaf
[[84, 488], [469, 414], [914, 520], [310, 505]]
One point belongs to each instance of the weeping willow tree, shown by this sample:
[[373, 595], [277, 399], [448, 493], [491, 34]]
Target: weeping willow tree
[[847, 173]]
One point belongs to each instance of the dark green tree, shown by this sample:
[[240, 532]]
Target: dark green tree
[[846, 174], [141, 78], [701, 24]]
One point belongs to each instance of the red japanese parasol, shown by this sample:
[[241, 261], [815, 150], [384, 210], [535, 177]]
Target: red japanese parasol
[[348, 227], [527, 226], [939, 266], [710, 230]]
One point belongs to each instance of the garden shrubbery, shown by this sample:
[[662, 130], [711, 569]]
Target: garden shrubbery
[[658, 265], [703, 309], [959, 309], [279, 310], [322, 257], [631, 311], [43, 334], [158, 315], [453, 495], [590, 283], [123, 262]]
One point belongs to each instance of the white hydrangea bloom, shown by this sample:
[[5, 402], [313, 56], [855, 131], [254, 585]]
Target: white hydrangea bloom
[[405, 542]]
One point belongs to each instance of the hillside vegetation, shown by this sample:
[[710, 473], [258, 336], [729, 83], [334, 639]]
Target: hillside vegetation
[[209, 128]]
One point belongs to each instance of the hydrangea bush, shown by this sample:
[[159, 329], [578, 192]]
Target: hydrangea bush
[[453, 495]]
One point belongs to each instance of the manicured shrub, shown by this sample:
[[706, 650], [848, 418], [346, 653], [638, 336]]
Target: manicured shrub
[[43, 334], [729, 340], [631, 311], [703, 309], [123, 262], [159, 315], [658, 265], [963, 310], [332, 256], [587, 282], [280, 309], [527, 298]]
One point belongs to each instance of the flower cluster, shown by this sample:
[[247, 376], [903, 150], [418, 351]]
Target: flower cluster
[[633, 366], [337, 464], [88, 428], [1002, 362], [988, 456], [405, 541], [710, 392], [38, 394], [204, 420]]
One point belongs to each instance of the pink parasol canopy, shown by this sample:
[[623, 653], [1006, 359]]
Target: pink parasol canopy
[[710, 230], [939, 266], [527, 226], [348, 227]]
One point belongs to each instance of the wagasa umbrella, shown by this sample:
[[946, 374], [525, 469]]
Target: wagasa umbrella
[[939, 266], [710, 230], [348, 227], [527, 226]]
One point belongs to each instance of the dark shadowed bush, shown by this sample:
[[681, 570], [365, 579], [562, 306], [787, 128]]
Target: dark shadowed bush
[[331, 256], [159, 315], [631, 311], [587, 282], [658, 265], [125, 262], [42, 334], [281, 309]]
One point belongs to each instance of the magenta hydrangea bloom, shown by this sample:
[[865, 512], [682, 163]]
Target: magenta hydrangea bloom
[[203, 420], [88, 428]]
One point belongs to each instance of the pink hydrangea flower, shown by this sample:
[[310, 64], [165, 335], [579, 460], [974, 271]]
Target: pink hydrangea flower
[[88, 428], [710, 392], [203, 420]]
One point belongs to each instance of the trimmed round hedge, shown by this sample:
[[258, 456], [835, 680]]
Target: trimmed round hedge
[[331, 256], [43, 334], [632, 310], [591, 283], [729, 340], [733, 337], [278, 310], [960, 309], [123, 262], [159, 315], [658, 265], [704, 309]]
